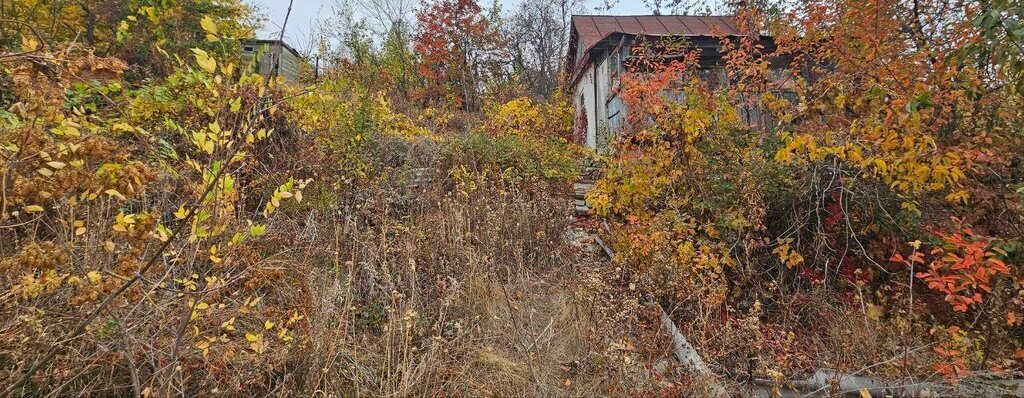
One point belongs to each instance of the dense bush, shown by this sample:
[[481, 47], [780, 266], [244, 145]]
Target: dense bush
[[886, 186]]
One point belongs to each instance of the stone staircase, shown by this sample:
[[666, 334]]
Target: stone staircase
[[582, 186], [579, 197]]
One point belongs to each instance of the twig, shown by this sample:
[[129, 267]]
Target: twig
[[82, 325], [39, 47], [683, 350]]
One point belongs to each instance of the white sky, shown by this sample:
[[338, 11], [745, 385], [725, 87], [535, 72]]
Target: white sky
[[305, 14]]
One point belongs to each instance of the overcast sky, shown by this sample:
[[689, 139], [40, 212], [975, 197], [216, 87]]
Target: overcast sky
[[305, 14]]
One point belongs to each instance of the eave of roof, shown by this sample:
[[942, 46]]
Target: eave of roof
[[590, 31]]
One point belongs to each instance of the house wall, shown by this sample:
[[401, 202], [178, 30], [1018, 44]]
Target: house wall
[[595, 94], [289, 64], [615, 108], [584, 101], [602, 78]]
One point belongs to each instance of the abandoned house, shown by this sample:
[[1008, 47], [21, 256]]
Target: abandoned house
[[600, 46], [290, 64]]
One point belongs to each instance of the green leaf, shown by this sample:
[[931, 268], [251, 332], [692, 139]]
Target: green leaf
[[257, 230]]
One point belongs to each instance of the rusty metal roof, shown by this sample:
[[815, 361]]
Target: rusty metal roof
[[591, 29]]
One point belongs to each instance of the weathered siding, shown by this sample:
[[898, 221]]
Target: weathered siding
[[604, 92], [584, 98], [596, 90], [595, 94], [616, 108], [289, 65]]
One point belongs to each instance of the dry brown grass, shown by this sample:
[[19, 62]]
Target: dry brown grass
[[471, 290]]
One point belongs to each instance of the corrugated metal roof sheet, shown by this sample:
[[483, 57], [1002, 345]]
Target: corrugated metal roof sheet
[[594, 28], [590, 30]]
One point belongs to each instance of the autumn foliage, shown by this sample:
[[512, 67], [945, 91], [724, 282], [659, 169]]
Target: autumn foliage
[[842, 190], [459, 50], [805, 173]]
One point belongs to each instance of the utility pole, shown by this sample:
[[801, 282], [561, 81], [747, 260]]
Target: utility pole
[[276, 66]]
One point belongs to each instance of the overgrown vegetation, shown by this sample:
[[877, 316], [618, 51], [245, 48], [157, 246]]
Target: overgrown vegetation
[[172, 223], [877, 192]]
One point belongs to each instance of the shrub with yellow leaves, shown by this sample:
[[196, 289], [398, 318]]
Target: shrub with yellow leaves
[[521, 117], [126, 210]]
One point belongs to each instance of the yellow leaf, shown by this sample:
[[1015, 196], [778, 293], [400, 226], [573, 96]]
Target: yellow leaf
[[33, 208], [268, 325], [208, 25], [294, 318], [109, 246], [122, 127], [864, 393], [56, 165], [204, 60], [960, 196], [94, 277], [29, 44], [115, 193], [202, 306], [881, 166], [45, 172]]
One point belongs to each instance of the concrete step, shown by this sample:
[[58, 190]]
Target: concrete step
[[580, 189], [421, 177], [581, 207]]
